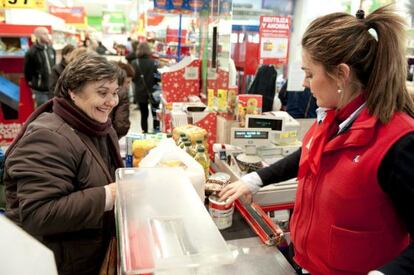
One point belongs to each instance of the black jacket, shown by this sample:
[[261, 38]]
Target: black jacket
[[54, 76], [264, 84], [148, 67], [36, 70]]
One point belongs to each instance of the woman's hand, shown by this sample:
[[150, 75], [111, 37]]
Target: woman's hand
[[235, 190]]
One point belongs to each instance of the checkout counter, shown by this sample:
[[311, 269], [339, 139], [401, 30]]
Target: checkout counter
[[174, 238]]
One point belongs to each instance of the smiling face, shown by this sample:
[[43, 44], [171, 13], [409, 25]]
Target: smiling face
[[323, 87], [97, 99]]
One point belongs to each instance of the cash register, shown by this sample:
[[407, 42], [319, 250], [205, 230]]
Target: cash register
[[266, 139]]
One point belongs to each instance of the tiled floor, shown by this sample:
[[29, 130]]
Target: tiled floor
[[135, 118]]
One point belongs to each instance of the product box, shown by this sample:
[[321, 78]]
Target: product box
[[248, 104], [181, 80]]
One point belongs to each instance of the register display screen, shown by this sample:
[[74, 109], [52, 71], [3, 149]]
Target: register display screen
[[251, 134], [274, 124]]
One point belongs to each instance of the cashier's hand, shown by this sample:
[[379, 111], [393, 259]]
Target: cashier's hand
[[235, 190]]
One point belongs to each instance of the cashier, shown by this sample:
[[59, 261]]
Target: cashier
[[354, 204], [59, 171]]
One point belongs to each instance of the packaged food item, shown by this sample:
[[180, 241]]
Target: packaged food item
[[216, 182], [248, 105], [140, 149], [221, 214], [192, 132], [202, 158]]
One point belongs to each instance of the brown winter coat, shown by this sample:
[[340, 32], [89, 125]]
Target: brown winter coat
[[54, 189], [120, 114]]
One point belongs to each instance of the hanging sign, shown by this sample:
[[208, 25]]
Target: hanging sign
[[23, 4], [274, 39], [71, 15]]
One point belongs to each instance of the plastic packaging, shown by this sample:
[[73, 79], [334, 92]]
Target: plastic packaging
[[168, 154]]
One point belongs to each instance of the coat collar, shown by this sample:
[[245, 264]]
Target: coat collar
[[361, 133]]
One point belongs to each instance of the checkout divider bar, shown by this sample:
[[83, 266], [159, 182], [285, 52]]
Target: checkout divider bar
[[267, 231]]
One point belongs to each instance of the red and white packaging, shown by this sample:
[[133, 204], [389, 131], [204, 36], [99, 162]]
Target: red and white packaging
[[181, 80]]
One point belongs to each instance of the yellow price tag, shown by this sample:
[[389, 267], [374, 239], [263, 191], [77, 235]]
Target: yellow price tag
[[23, 4]]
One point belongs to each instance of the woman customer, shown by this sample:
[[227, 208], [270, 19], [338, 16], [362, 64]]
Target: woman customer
[[145, 69], [354, 204], [59, 171], [120, 114], [58, 68]]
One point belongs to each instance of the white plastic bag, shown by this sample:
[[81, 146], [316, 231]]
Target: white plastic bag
[[166, 153]]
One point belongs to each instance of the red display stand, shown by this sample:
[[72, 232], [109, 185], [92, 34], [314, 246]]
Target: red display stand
[[9, 128], [14, 64]]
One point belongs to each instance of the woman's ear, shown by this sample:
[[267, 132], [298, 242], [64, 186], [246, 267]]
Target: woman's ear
[[72, 95], [343, 73]]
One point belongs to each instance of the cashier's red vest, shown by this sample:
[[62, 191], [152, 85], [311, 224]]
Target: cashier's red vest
[[343, 222]]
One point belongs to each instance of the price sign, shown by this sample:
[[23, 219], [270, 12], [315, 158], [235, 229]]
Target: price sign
[[23, 4]]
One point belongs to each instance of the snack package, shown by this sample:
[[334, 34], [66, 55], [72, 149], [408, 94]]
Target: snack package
[[248, 104]]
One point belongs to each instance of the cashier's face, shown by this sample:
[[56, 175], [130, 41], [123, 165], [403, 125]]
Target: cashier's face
[[323, 87], [97, 99]]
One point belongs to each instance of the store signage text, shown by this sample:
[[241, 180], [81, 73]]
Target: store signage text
[[22, 4]]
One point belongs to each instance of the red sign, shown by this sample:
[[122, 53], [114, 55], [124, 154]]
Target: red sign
[[274, 39], [73, 15]]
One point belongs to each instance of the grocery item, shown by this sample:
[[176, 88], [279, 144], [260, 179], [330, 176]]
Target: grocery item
[[221, 214], [140, 149], [191, 131], [202, 158], [216, 182]]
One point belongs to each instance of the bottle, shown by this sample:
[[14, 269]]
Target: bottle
[[199, 144], [179, 140], [187, 147], [201, 158], [182, 143]]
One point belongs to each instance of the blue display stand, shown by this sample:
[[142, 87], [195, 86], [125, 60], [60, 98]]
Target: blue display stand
[[9, 93]]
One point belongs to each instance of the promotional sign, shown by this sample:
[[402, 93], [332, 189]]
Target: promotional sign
[[274, 39], [22, 4], [72, 15]]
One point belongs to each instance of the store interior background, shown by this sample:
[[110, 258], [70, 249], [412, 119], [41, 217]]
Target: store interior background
[[115, 21]]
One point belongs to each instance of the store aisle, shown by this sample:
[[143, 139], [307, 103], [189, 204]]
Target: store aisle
[[135, 118]]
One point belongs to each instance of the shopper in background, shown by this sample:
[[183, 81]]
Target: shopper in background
[[299, 104], [120, 114], [59, 171], [145, 70], [354, 204], [58, 68], [101, 49], [38, 63], [132, 54]]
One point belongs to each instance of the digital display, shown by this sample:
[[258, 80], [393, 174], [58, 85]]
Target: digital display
[[248, 134], [274, 124]]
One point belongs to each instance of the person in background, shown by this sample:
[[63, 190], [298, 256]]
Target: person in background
[[59, 172], [101, 49], [58, 68], [73, 56], [299, 104], [120, 114], [38, 63], [354, 204], [144, 65], [132, 54]]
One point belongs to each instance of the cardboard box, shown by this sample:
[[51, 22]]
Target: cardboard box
[[248, 104], [181, 80]]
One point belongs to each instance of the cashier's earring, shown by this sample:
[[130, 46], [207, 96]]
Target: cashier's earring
[[339, 90]]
